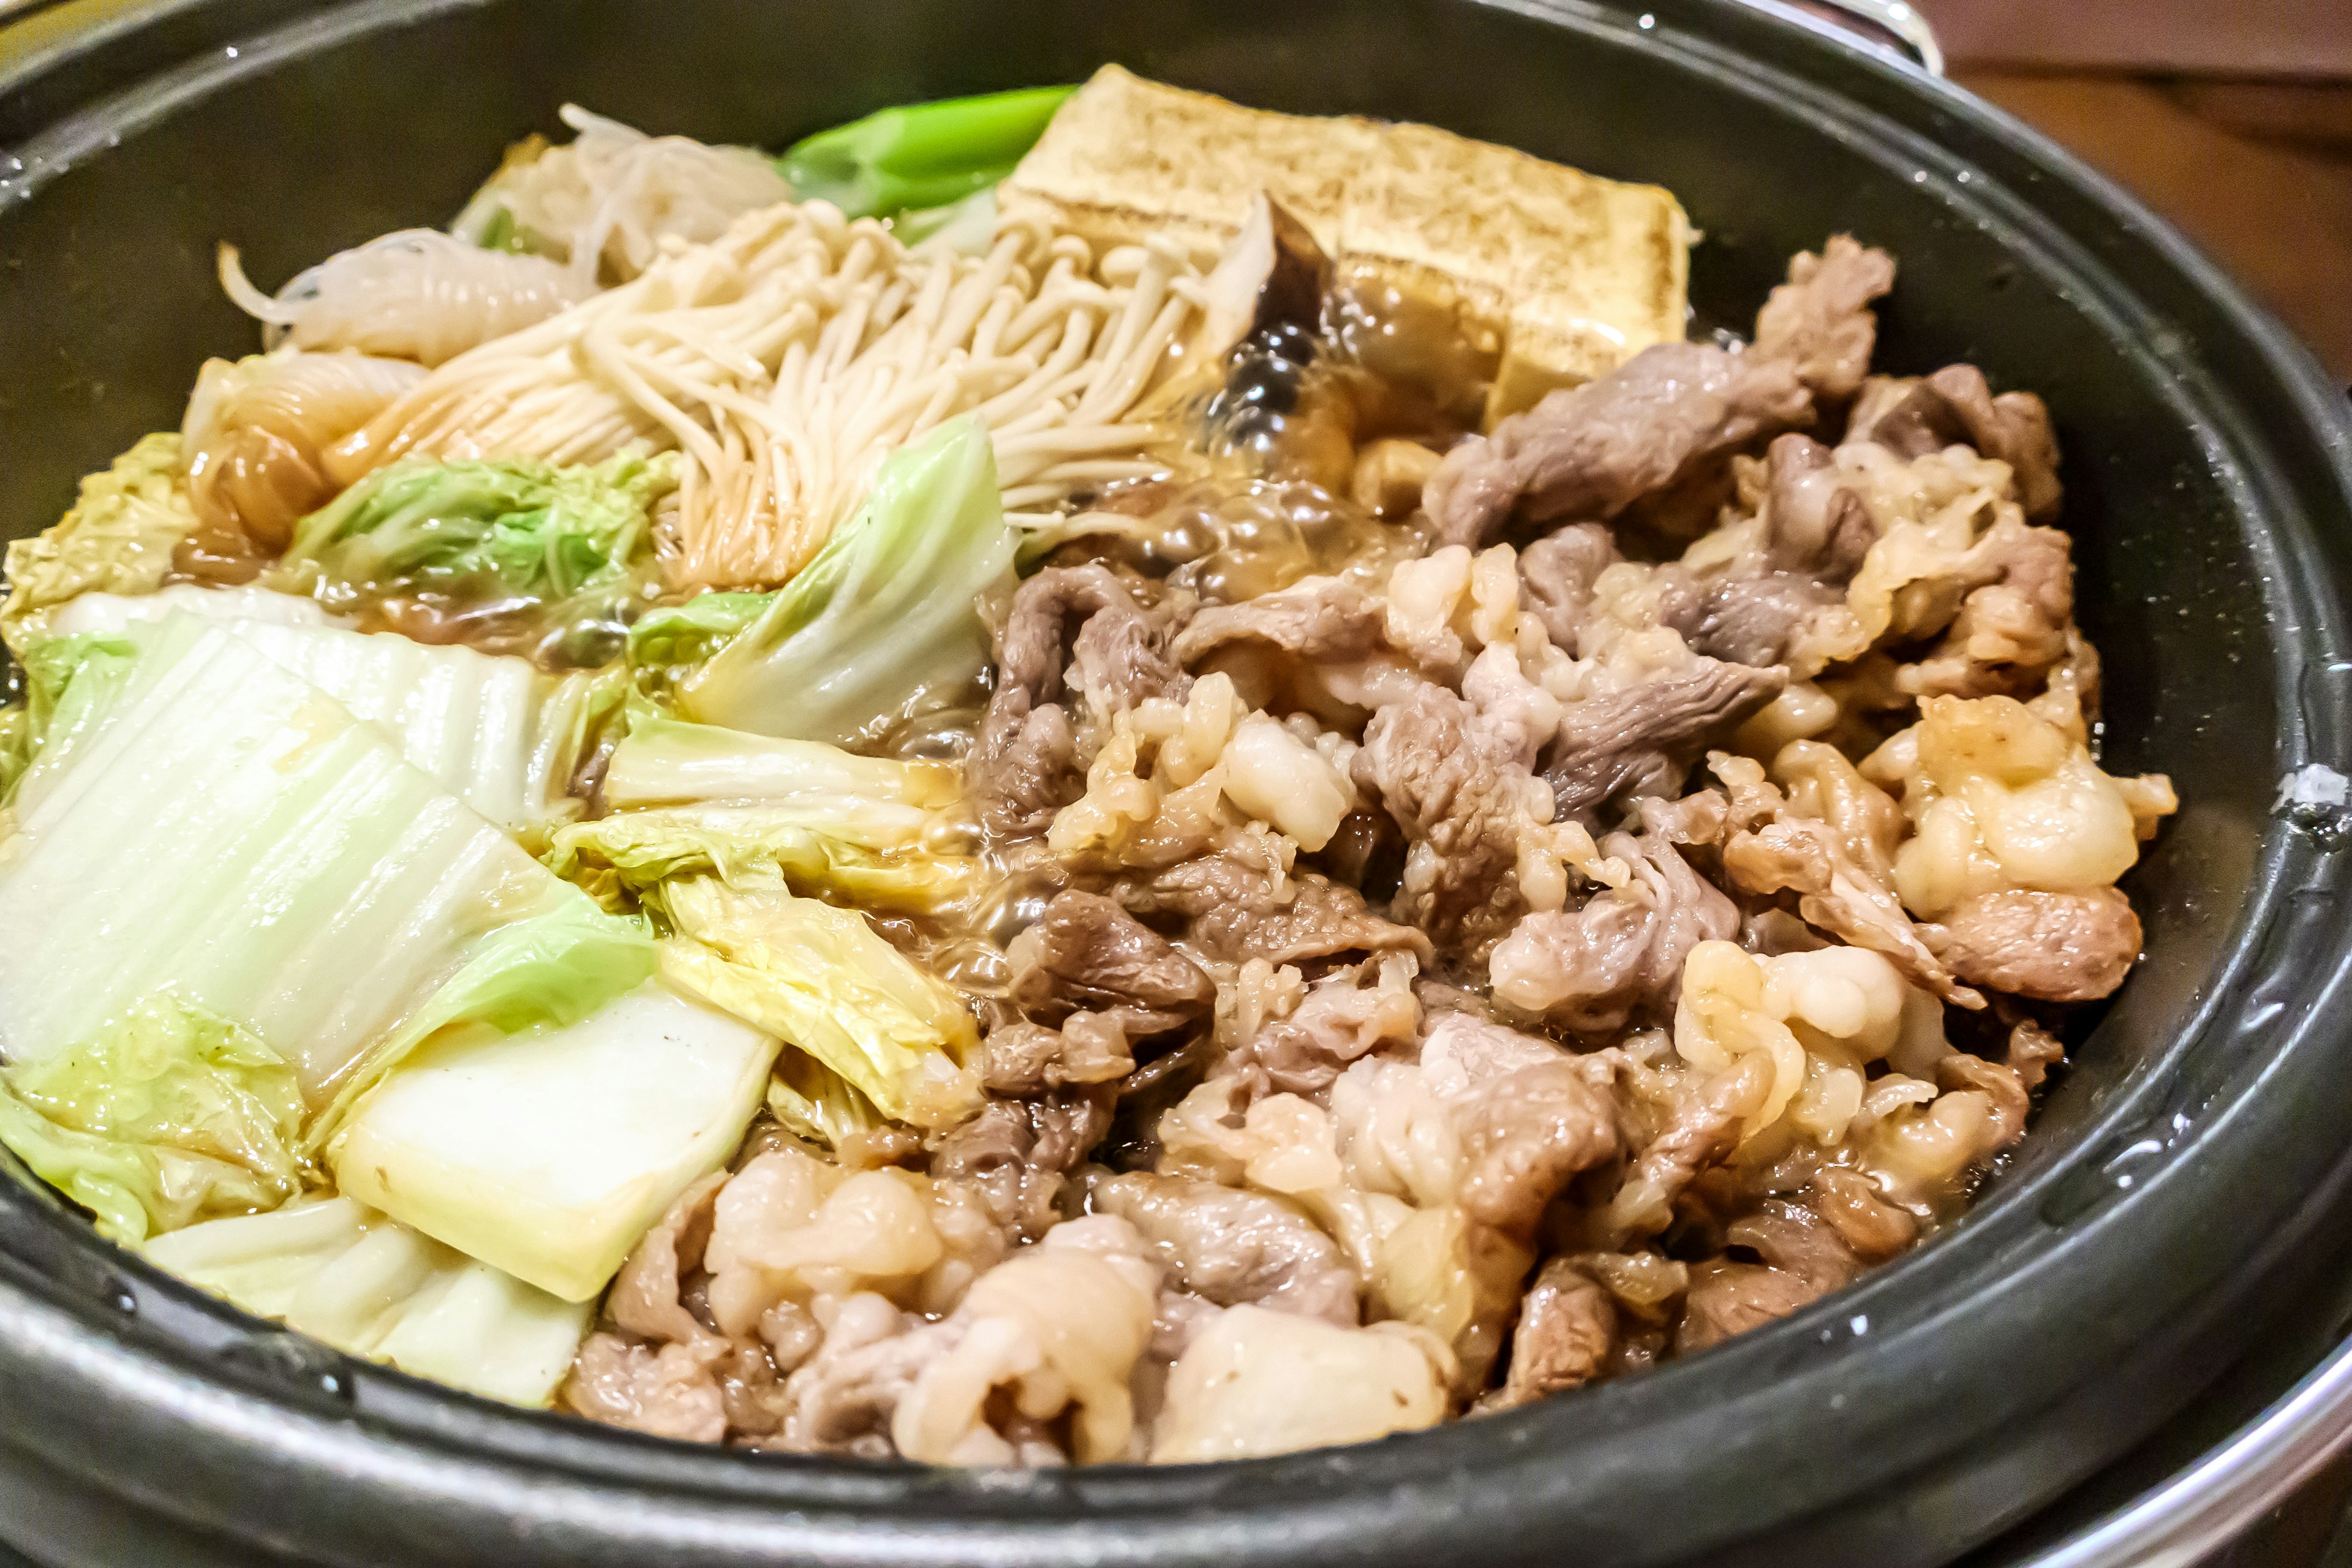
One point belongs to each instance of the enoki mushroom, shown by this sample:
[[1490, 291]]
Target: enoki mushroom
[[787, 358]]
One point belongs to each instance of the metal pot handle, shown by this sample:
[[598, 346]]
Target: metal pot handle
[[1897, 19]]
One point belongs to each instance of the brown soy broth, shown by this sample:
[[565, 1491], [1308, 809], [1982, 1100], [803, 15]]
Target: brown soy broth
[[1231, 538], [1417, 345], [1261, 492]]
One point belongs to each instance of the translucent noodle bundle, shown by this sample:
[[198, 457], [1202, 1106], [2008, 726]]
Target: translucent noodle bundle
[[788, 358], [604, 203]]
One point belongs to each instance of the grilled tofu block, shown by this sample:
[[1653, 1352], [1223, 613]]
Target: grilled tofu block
[[1561, 275]]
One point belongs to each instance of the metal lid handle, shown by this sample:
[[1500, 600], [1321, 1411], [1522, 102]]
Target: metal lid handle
[[1897, 19]]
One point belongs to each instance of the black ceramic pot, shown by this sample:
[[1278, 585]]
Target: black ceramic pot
[[2176, 1180]]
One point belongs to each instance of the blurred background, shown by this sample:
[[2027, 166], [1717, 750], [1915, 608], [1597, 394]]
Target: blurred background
[[2232, 118]]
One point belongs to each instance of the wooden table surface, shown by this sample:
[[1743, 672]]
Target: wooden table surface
[[2258, 172]]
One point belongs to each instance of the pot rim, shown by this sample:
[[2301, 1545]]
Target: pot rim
[[296, 1422]]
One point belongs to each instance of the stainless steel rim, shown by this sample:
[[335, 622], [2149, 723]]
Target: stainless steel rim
[[1903, 20], [1897, 19], [2205, 1506]]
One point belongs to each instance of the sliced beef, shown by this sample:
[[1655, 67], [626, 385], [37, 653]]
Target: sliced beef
[[1024, 765], [2014, 623], [1085, 953], [1317, 647], [1727, 1297], [1316, 618], [666, 1392], [1750, 620], [1804, 1260], [842, 1398], [1871, 1228], [1235, 911], [1027, 1059], [1997, 1082], [1819, 320], [1839, 895], [1094, 981], [1017, 1152], [658, 1367], [646, 1298], [1815, 532], [1642, 739], [1589, 970], [1701, 1125], [1956, 407], [1234, 1247], [1664, 420], [2052, 947], [1527, 1131], [1792, 1238], [1566, 1332], [1340, 1021], [1122, 648], [2032, 1050], [1814, 523], [1556, 577], [1462, 799], [1831, 842]]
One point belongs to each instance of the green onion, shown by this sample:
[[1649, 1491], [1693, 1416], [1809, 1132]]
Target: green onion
[[922, 154]]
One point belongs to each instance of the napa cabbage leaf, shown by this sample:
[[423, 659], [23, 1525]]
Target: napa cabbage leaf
[[67, 681], [224, 830], [883, 620], [667, 762], [767, 813], [118, 539], [103, 612], [364, 1283], [689, 633], [821, 979], [493, 729], [514, 527], [169, 1114], [549, 1152], [753, 847], [811, 1100]]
